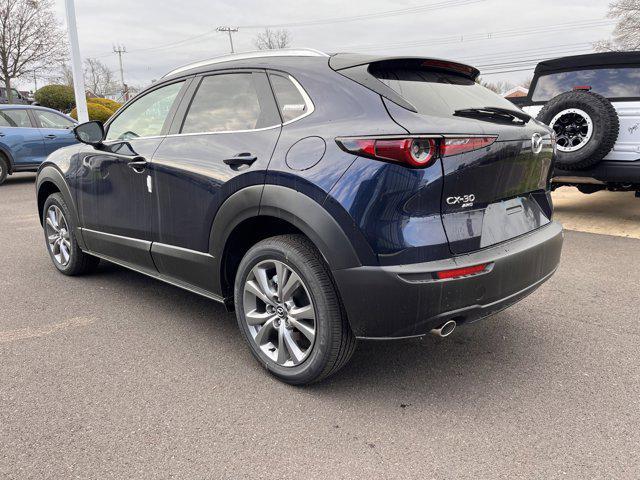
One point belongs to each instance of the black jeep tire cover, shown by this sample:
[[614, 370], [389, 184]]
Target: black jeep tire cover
[[605, 127]]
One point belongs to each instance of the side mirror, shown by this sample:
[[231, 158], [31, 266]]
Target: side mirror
[[91, 133]]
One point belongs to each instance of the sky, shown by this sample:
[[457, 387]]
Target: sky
[[504, 38]]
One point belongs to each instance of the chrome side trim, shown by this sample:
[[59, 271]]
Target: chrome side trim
[[302, 52]]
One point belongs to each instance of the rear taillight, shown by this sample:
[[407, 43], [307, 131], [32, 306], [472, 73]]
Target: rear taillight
[[415, 152], [455, 146], [418, 152]]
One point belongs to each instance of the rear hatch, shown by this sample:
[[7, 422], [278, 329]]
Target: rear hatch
[[489, 194]]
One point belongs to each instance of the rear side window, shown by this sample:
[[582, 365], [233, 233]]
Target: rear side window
[[291, 103], [15, 118], [438, 93], [608, 82], [52, 120], [228, 102]]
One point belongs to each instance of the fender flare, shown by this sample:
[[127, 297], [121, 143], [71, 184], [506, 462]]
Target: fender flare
[[291, 206], [50, 174]]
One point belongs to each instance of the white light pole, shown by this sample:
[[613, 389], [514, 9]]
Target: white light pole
[[76, 63]]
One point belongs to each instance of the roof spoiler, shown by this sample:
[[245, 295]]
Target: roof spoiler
[[342, 61], [357, 68]]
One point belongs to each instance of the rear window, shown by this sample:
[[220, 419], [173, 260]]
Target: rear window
[[439, 93], [608, 82]]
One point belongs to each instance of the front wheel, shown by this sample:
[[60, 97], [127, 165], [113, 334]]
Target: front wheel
[[289, 311], [61, 241]]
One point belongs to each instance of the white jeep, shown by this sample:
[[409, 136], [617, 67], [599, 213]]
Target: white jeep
[[592, 102]]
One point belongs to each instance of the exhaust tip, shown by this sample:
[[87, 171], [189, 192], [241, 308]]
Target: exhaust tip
[[445, 329]]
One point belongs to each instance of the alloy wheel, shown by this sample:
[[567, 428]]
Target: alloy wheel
[[573, 128], [58, 238], [279, 313]]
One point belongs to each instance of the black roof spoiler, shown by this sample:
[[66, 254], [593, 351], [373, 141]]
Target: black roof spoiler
[[356, 67], [593, 60], [342, 61]]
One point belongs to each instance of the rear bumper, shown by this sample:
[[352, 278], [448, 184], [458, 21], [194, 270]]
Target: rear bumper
[[607, 171], [406, 301]]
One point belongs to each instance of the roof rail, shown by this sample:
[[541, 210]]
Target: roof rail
[[285, 52]]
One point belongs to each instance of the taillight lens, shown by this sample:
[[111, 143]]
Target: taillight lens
[[415, 152], [455, 146]]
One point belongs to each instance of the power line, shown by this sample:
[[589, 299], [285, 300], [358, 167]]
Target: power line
[[368, 16], [472, 37], [390, 13]]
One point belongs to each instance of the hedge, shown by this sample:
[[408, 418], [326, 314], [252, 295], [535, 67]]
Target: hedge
[[96, 112], [105, 102], [58, 97]]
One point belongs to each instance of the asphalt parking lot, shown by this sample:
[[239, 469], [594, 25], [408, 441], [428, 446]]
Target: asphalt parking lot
[[115, 375]]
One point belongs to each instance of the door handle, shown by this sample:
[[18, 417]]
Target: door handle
[[138, 165], [51, 135], [240, 159]]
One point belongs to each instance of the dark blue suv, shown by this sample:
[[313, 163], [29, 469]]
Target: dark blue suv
[[28, 134], [323, 198]]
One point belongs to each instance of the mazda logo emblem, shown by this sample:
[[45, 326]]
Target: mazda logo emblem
[[536, 143]]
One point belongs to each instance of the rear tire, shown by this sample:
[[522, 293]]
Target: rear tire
[[586, 126], [4, 170], [332, 342], [60, 239]]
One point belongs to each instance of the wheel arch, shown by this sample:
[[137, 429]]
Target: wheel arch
[[258, 212], [4, 150], [50, 180]]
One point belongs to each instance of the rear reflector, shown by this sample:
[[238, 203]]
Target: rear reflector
[[461, 272], [455, 146]]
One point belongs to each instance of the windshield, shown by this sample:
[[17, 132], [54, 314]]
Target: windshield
[[608, 82], [440, 93]]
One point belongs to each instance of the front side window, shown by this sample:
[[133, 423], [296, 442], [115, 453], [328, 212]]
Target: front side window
[[15, 118], [226, 102], [291, 103], [608, 82], [53, 120], [146, 116]]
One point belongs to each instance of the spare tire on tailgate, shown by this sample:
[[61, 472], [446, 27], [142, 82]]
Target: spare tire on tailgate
[[586, 126]]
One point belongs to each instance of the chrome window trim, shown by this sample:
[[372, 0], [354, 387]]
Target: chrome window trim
[[307, 100]]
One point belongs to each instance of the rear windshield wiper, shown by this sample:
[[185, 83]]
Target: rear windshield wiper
[[494, 112]]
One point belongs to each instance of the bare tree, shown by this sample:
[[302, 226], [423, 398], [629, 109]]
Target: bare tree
[[498, 87], [65, 76], [98, 77], [30, 39], [626, 34], [272, 39]]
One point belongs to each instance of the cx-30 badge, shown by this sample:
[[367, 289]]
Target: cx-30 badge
[[536, 143], [464, 201]]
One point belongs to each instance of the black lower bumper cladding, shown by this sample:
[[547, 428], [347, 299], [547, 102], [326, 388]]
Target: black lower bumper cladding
[[406, 300]]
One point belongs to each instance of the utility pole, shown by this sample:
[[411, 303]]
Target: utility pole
[[120, 49], [76, 63], [35, 81], [229, 30]]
